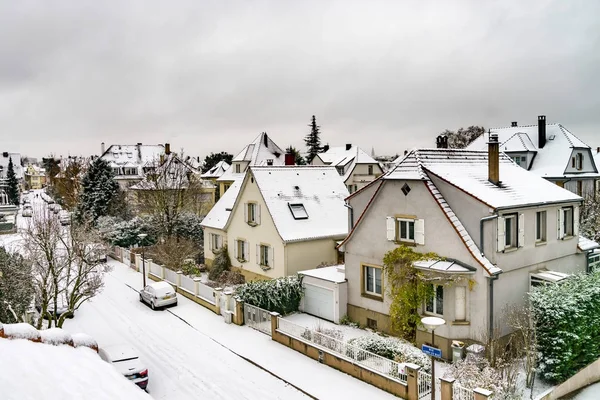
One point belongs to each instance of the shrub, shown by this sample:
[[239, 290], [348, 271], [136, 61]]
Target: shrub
[[125, 233], [281, 295], [231, 278], [345, 320], [567, 320], [221, 263], [392, 348]]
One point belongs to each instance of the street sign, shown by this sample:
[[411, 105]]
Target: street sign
[[431, 351]]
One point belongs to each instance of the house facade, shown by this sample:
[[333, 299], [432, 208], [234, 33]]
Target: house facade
[[492, 222], [35, 177], [213, 174], [356, 167], [284, 220], [550, 151], [130, 162]]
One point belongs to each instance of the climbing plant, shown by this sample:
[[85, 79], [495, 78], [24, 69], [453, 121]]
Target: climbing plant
[[409, 287]]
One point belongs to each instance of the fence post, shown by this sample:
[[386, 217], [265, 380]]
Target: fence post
[[482, 394], [179, 273], [274, 321], [218, 292], [412, 380], [227, 295], [138, 262], [197, 286], [239, 312], [446, 388]]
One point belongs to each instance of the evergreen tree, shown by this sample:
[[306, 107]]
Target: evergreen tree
[[13, 184], [99, 191], [298, 159], [313, 140], [16, 286]]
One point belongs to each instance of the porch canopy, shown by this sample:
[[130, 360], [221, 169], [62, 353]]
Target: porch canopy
[[444, 266]]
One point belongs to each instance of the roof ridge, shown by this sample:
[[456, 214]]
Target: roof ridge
[[522, 126], [565, 131]]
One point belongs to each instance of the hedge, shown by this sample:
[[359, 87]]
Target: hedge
[[567, 318], [282, 295]]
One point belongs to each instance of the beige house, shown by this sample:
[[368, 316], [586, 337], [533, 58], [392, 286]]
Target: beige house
[[285, 219], [213, 174], [356, 167], [500, 229], [130, 163]]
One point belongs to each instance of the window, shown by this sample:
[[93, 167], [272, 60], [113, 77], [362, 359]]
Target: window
[[298, 211], [340, 170], [406, 229], [215, 241], [270, 161], [435, 304], [372, 324], [252, 213], [370, 167], [540, 226], [566, 222], [579, 161], [594, 261], [241, 250], [264, 256], [579, 188], [511, 231], [352, 188], [372, 281], [237, 168]]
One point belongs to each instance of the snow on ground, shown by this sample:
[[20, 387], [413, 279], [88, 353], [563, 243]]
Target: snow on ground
[[591, 392], [310, 322], [202, 357], [33, 371]]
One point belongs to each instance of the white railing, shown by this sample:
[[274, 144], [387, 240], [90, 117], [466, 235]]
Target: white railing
[[257, 318], [155, 269], [188, 284], [205, 292], [171, 276], [423, 384], [462, 393], [381, 365]]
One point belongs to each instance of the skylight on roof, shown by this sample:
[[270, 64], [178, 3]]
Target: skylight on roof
[[298, 211]]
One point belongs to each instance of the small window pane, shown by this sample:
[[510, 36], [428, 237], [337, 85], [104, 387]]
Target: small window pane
[[377, 280], [508, 231], [369, 273], [411, 230], [403, 229], [439, 300]]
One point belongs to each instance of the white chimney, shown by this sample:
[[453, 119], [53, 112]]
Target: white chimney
[[102, 148]]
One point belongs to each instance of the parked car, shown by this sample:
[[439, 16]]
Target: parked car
[[158, 294], [124, 358]]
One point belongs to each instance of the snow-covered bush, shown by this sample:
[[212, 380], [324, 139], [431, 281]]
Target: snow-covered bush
[[125, 233], [392, 348], [220, 264], [282, 295], [188, 227], [568, 325]]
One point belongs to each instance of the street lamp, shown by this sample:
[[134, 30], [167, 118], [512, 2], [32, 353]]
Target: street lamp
[[432, 323], [142, 236]]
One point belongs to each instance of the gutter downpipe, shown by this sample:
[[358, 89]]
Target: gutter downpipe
[[350, 216], [491, 278]]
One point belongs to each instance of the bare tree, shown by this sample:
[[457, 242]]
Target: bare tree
[[173, 252], [170, 189], [67, 183], [523, 340], [66, 263], [589, 216]]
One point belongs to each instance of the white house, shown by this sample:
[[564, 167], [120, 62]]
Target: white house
[[131, 162]]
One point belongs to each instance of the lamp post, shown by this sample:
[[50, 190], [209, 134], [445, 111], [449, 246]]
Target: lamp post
[[432, 323], [142, 236]]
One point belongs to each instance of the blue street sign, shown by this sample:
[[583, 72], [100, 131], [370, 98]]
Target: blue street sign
[[431, 351]]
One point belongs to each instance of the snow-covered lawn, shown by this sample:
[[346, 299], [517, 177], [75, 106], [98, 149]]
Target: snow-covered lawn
[[191, 353], [311, 322]]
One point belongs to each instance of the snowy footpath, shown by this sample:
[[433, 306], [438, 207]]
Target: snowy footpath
[[191, 353]]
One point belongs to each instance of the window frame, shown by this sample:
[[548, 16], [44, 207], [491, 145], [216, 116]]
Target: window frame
[[541, 226], [579, 161], [237, 168], [513, 233], [214, 242], [252, 213], [295, 215], [567, 224], [242, 245], [370, 169], [408, 222], [434, 301], [371, 290], [264, 255]]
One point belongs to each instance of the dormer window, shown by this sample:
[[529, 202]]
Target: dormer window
[[270, 161], [340, 170], [298, 211], [237, 168], [370, 170]]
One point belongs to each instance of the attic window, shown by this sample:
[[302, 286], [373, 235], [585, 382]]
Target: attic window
[[298, 211], [406, 189], [270, 161]]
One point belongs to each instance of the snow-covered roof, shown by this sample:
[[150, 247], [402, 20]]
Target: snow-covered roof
[[335, 273], [346, 157], [219, 214], [140, 154], [447, 266], [5, 157], [468, 170], [172, 165], [61, 372], [261, 151], [586, 244], [318, 190], [551, 160], [217, 170]]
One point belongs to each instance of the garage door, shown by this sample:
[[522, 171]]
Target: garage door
[[318, 301]]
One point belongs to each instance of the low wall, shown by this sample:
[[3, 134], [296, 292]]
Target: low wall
[[587, 376], [212, 307]]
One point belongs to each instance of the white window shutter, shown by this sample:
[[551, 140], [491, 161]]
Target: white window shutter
[[559, 217], [245, 212], [521, 240], [235, 249], [501, 234], [271, 257], [257, 212], [391, 228], [258, 254], [420, 231], [576, 221], [460, 303], [246, 251]]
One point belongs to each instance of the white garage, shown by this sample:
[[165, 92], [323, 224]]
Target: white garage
[[325, 292]]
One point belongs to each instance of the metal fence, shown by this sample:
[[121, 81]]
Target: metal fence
[[381, 365], [462, 393], [424, 384], [257, 318]]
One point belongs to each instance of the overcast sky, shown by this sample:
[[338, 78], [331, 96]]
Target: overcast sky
[[210, 75]]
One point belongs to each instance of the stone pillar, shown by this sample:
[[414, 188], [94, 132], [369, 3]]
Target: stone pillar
[[239, 313], [482, 394], [412, 380], [138, 262], [179, 273], [446, 388], [196, 287], [148, 262], [227, 296], [218, 294], [274, 322]]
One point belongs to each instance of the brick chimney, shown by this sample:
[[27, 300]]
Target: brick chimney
[[541, 131], [167, 148], [290, 159], [348, 146], [325, 148], [494, 159], [514, 123]]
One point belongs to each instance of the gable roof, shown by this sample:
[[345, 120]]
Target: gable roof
[[551, 160], [318, 189], [140, 154], [261, 149], [217, 170], [219, 214], [468, 171], [172, 165], [340, 156]]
